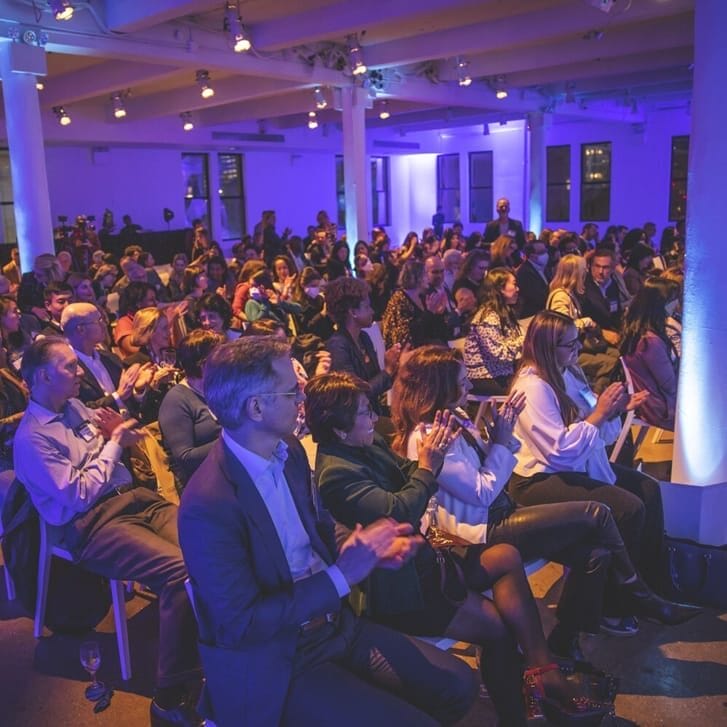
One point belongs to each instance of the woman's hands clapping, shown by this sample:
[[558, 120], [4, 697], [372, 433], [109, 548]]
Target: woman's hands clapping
[[434, 445], [500, 431]]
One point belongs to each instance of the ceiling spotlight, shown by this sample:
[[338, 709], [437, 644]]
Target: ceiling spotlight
[[463, 77], [62, 115], [312, 120], [384, 112], [203, 80], [355, 57], [320, 98], [117, 102], [233, 25], [500, 89], [61, 9], [187, 123], [39, 85]]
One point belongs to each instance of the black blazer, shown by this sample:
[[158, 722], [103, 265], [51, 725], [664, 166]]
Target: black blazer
[[492, 231], [533, 291], [605, 311], [91, 394]]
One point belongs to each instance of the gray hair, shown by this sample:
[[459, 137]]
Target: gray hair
[[76, 313], [38, 355], [237, 370]]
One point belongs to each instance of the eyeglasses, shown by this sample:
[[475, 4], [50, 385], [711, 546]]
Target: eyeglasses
[[297, 392], [570, 345]]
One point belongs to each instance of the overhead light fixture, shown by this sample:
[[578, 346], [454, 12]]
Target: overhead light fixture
[[500, 88], [39, 85], [355, 57], [463, 77], [204, 82], [234, 27], [312, 120], [62, 115], [61, 9], [117, 102], [187, 123], [384, 112], [320, 98]]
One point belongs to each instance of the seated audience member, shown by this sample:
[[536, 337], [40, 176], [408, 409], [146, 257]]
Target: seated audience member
[[219, 278], [65, 260], [104, 381], [188, 428], [133, 273], [68, 458], [362, 265], [175, 284], [377, 279], [675, 274], [494, 343], [97, 260], [472, 272], [215, 314], [452, 260], [103, 282], [294, 248], [351, 349], [339, 265], [604, 301], [471, 501], [11, 270], [409, 318], [360, 480], [242, 290], [503, 253], [308, 294], [284, 276], [447, 321], [279, 645], [563, 431], [566, 288], [195, 283], [569, 244], [15, 337], [134, 297], [638, 264], [46, 269], [648, 351], [82, 287], [56, 297], [631, 240], [264, 301], [533, 279], [13, 401]]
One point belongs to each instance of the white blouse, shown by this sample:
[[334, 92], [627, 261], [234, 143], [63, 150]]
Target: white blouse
[[467, 488], [547, 444]]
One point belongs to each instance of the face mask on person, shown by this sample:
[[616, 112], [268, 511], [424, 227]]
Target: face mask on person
[[312, 291], [671, 307], [541, 260]]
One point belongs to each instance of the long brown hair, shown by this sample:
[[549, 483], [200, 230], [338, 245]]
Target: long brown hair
[[544, 333], [426, 381], [494, 301]]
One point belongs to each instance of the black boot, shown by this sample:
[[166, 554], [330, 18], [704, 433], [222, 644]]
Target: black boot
[[644, 603], [565, 643]]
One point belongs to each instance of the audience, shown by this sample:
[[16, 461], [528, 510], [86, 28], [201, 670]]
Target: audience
[[533, 279]]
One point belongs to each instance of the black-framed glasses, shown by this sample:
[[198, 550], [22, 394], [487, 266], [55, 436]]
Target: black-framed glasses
[[570, 345]]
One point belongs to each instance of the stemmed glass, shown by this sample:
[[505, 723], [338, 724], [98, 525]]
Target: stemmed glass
[[90, 654]]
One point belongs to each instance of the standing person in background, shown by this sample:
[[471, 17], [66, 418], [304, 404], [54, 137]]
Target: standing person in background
[[438, 222], [505, 225]]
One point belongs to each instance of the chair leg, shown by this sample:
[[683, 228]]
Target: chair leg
[[9, 585], [44, 566], [122, 633]]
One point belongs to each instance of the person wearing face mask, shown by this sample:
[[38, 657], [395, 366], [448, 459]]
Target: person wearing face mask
[[312, 317], [649, 353], [533, 279], [264, 301]]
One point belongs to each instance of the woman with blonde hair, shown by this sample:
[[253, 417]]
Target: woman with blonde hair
[[502, 252], [569, 282]]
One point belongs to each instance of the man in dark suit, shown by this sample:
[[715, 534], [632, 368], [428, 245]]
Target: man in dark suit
[[533, 280], [56, 297], [504, 225], [279, 643], [604, 300]]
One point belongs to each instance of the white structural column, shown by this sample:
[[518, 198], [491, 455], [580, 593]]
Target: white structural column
[[353, 111], [535, 202], [697, 508], [19, 66]]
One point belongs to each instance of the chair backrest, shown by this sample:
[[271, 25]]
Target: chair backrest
[[377, 338], [190, 595], [628, 379], [628, 419]]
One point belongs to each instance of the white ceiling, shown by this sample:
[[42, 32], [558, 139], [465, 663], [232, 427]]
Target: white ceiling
[[540, 48]]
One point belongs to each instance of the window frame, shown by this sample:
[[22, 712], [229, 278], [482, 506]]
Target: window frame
[[375, 191], [672, 179], [489, 194], [207, 220], [559, 184], [449, 219], [586, 185], [240, 162]]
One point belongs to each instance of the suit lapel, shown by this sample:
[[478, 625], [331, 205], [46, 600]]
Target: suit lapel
[[91, 381]]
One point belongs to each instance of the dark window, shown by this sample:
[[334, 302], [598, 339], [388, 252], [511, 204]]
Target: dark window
[[340, 193], [481, 203], [196, 188], [557, 205], [8, 234], [596, 182], [380, 191], [448, 195], [678, 178], [232, 197]]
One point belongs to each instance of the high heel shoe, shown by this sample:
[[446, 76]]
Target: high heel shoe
[[645, 604], [542, 701]]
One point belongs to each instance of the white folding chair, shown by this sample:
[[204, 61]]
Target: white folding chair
[[631, 420], [6, 479], [46, 553]]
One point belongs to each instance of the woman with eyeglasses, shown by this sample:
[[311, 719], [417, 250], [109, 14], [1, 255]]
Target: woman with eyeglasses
[[563, 430]]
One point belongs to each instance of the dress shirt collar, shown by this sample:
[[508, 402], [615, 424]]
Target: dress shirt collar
[[43, 415], [256, 465], [93, 358]]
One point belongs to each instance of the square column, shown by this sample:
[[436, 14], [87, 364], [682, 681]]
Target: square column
[[353, 111]]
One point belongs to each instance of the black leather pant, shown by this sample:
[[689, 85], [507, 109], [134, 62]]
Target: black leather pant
[[581, 535]]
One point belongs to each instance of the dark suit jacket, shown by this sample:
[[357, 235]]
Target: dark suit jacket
[[492, 231], [606, 312], [533, 291], [248, 607], [91, 394]]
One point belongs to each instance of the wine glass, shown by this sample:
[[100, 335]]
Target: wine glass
[[168, 357], [90, 654]]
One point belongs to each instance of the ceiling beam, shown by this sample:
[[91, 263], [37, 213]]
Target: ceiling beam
[[127, 16], [99, 80], [291, 103], [514, 30]]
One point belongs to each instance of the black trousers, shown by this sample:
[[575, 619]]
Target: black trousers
[[635, 503], [580, 535], [359, 673], [133, 536], [491, 387]]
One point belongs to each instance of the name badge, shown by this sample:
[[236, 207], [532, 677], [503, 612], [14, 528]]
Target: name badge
[[613, 306], [87, 431]]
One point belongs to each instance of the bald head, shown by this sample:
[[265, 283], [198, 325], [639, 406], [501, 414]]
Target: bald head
[[75, 314]]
